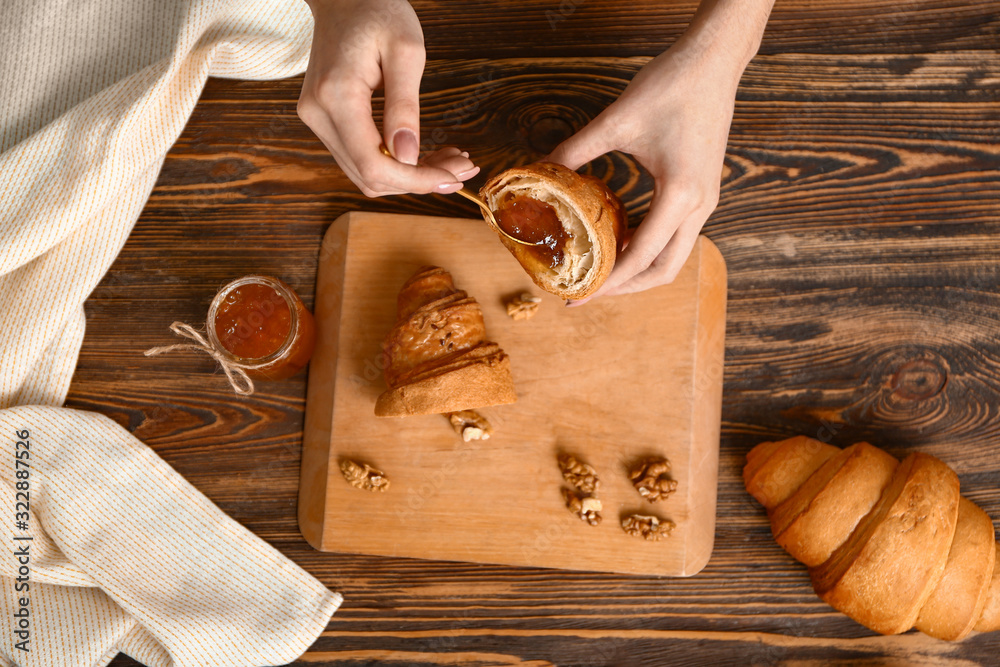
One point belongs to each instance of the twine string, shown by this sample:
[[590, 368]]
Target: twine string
[[238, 378]]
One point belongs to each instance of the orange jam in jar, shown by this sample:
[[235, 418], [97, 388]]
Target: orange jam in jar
[[260, 325]]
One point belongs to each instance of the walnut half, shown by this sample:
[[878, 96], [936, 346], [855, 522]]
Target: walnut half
[[652, 528], [579, 474], [588, 508], [363, 476], [523, 306], [649, 477], [470, 425]]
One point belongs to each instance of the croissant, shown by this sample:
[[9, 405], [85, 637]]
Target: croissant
[[436, 356], [891, 544], [577, 221]]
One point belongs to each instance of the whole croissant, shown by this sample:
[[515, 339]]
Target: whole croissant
[[891, 544], [436, 357]]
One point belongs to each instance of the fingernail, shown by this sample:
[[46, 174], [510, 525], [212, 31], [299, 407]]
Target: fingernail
[[464, 154], [405, 147], [447, 188], [467, 174]]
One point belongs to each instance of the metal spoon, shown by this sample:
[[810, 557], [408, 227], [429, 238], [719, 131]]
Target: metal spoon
[[473, 197], [490, 218]]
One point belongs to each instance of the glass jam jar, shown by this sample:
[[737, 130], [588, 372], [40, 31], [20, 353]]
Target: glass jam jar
[[259, 324]]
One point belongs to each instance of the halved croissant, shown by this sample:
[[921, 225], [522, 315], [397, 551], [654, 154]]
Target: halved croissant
[[891, 544], [579, 219], [437, 358]]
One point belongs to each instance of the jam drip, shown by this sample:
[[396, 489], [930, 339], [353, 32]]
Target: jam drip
[[533, 221]]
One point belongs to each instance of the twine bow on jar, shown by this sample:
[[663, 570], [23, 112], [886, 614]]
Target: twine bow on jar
[[257, 327], [238, 378]]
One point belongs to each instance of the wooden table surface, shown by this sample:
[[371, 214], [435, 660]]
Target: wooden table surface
[[860, 222]]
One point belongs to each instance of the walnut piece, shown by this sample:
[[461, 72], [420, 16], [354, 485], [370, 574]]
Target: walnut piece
[[650, 479], [523, 306], [579, 474], [588, 508], [470, 425], [651, 528], [363, 476]]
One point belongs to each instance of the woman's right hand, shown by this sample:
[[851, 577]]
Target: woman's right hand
[[358, 47]]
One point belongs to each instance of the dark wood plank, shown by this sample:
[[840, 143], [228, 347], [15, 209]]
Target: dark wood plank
[[860, 223], [572, 28]]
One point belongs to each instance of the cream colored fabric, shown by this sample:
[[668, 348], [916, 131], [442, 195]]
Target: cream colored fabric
[[125, 555]]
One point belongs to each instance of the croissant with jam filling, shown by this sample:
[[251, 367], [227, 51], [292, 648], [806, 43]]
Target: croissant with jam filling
[[579, 222], [437, 357]]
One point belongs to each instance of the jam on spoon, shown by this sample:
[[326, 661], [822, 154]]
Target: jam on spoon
[[536, 223]]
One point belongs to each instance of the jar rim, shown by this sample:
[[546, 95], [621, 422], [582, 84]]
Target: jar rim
[[259, 362]]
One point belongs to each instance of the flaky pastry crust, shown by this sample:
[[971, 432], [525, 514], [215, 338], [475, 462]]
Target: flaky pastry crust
[[588, 210], [437, 359]]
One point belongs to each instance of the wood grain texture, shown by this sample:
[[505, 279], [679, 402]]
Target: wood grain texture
[[860, 223], [572, 28], [606, 383]]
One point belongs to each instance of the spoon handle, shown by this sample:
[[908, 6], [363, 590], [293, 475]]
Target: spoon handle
[[473, 197], [491, 219]]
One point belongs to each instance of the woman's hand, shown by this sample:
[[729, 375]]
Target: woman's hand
[[358, 47], [674, 118]]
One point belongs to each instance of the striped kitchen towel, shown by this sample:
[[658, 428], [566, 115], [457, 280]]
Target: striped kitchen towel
[[107, 548]]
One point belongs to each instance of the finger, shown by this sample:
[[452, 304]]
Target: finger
[[319, 122], [629, 233], [661, 271], [590, 142], [664, 269], [458, 164], [402, 67], [447, 151], [571, 303], [381, 175], [648, 241]]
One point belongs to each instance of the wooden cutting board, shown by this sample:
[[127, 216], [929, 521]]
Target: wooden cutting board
[[611, 381]]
